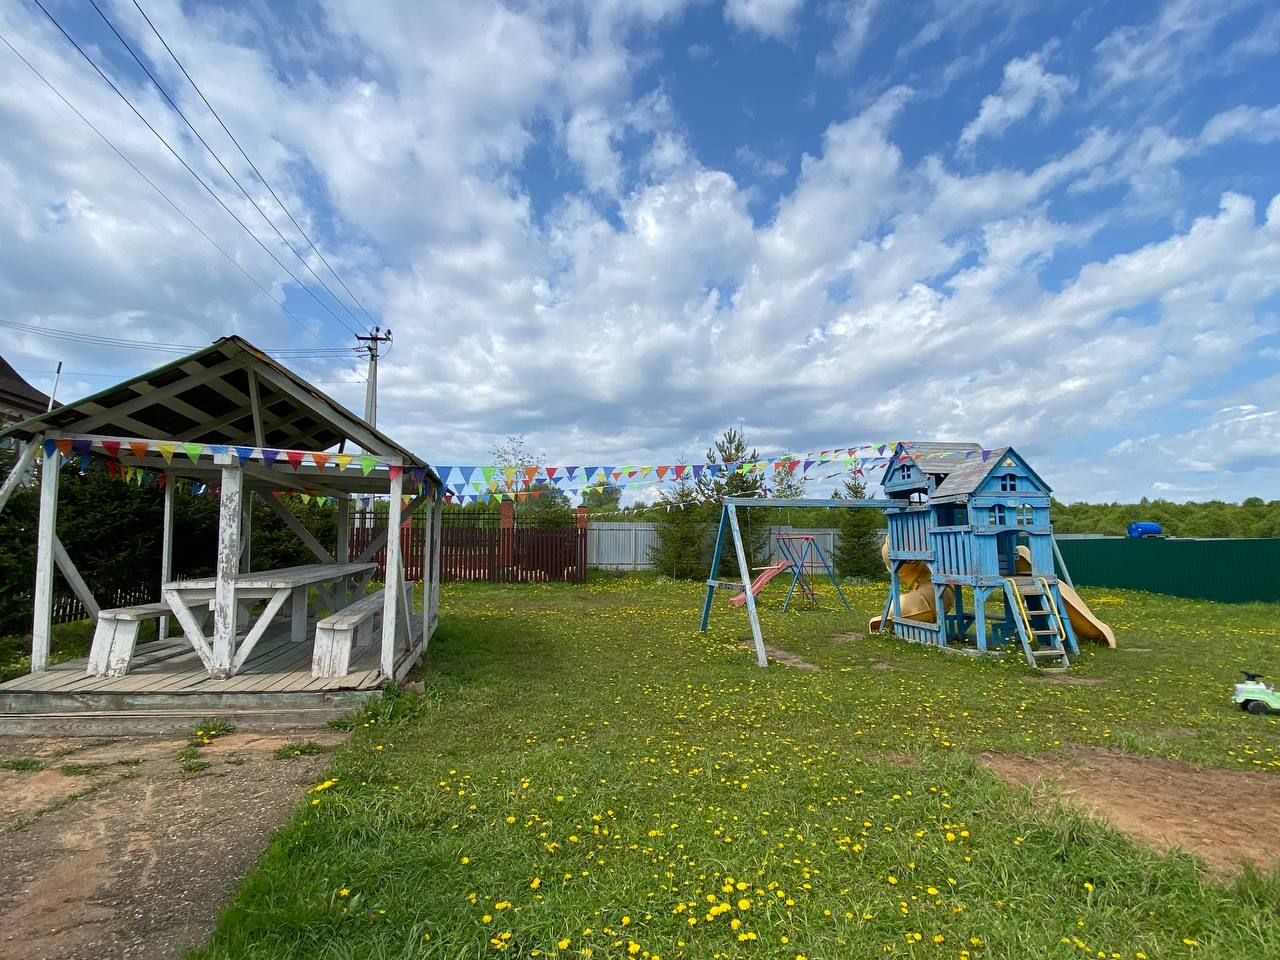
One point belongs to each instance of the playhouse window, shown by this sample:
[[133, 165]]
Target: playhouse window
[[1009, 482], [1025, 515], [995, 515]]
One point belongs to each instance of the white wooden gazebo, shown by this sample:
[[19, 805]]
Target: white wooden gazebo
[[230, 420]]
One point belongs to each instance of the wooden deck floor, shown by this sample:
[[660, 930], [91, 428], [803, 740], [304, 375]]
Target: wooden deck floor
[[171, 667]]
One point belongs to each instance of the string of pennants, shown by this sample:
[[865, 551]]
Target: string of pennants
[[269, 457], [492, 482], [104, 454]]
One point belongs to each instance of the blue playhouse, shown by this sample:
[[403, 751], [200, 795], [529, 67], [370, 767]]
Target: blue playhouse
[[963, 522]]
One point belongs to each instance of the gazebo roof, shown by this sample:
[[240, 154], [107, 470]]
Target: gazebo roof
[[228, 395]]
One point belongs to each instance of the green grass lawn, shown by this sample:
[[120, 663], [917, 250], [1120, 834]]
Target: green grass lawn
[[588, 776]]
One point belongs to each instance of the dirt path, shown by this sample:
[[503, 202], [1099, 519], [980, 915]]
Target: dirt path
[[1225, 817], [113, 849]]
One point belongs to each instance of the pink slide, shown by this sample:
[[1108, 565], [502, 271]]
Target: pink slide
[[758, 584]]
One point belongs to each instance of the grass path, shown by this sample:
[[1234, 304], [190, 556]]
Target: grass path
[[587, 776]]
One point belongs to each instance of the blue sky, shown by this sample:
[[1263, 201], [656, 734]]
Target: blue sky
[[619, 227]]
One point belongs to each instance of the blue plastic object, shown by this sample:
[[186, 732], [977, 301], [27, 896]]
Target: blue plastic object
[[1145, 528]]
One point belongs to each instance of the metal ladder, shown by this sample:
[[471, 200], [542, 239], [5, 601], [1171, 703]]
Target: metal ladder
[[1040, 626]]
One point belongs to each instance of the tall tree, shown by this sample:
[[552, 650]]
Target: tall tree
[[684, 528], [861, 533], [739, 477]]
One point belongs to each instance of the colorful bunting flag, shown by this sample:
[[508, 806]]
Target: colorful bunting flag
[[294, 457], [367, 463]]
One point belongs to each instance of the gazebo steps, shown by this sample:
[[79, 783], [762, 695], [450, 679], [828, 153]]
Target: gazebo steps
[[14, 702], [38, 719]]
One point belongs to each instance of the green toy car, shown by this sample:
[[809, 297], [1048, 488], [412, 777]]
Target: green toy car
[[1254, 695]]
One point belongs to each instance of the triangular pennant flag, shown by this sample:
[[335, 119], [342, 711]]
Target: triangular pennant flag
[[82, 447], [112, 447], [467, 473], [113, 469], [807, 465], [193, 451], [269, 457], [244, 454], [680, 469], [697, 470], [139, 448], [294, 457], [344, 460], [529, 474], [320, 460], [50, 447], [63, 446], [167, 451], [645, 471], [367, 463], [569, 471], [487, 473], [218, 449], [986, 455], [551, 472], [419, 474], [395, 470], [662, 471]]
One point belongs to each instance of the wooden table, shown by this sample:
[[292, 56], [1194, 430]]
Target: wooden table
[[338, 582]]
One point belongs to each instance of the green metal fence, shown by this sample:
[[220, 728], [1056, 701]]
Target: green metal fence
[[1229, 571]]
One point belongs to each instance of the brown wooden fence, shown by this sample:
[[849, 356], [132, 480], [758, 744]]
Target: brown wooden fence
[[473, 550]]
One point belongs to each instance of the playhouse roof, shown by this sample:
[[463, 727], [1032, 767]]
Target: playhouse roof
[[970, 474], [938, 458], [229, 393]]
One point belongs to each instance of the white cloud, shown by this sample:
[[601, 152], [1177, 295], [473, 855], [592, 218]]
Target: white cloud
[[769, 18], [1261, 125], [853, 28], [1164, 54], [884, 293], [1025, 87]]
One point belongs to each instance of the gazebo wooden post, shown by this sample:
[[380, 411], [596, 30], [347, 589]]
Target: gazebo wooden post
[[428, 566], [166, 547], [431, 591], [46, 537], [342, 543], [393, 585], [228, 565]]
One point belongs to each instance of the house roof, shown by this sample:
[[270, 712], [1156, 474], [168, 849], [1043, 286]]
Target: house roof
[[15, 392], [938, 458], [209, 397], [972, 473]]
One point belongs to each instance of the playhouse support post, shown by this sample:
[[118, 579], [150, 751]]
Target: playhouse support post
[[42, 619], [761, 658], [835, 581], [437, 552], [393, 579], [246, 532], [428, 562], [980, 617], [228, 564], [166, 548], [940, 610], [715, 569]]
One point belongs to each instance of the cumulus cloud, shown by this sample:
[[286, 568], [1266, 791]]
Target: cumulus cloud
[[637, 311], [1025, 87]]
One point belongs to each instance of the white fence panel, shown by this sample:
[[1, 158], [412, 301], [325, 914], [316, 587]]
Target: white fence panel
[[627, 546]]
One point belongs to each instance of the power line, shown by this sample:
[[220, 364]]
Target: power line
[[213, 153], [254, 166], [231, 213], [76, 336], [235, 263]]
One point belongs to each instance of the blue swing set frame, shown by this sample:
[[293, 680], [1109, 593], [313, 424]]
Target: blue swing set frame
[[796, 556]]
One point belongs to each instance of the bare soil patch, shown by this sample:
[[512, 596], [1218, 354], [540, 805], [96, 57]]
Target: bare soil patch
[[785, 657], [1225, 817], [141, 865]]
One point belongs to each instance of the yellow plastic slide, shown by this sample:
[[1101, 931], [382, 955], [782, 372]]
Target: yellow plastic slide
[[917, 599], [917, 592], [1083, 621]]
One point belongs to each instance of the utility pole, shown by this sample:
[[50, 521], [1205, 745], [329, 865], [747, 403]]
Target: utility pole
[[373, 342]]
